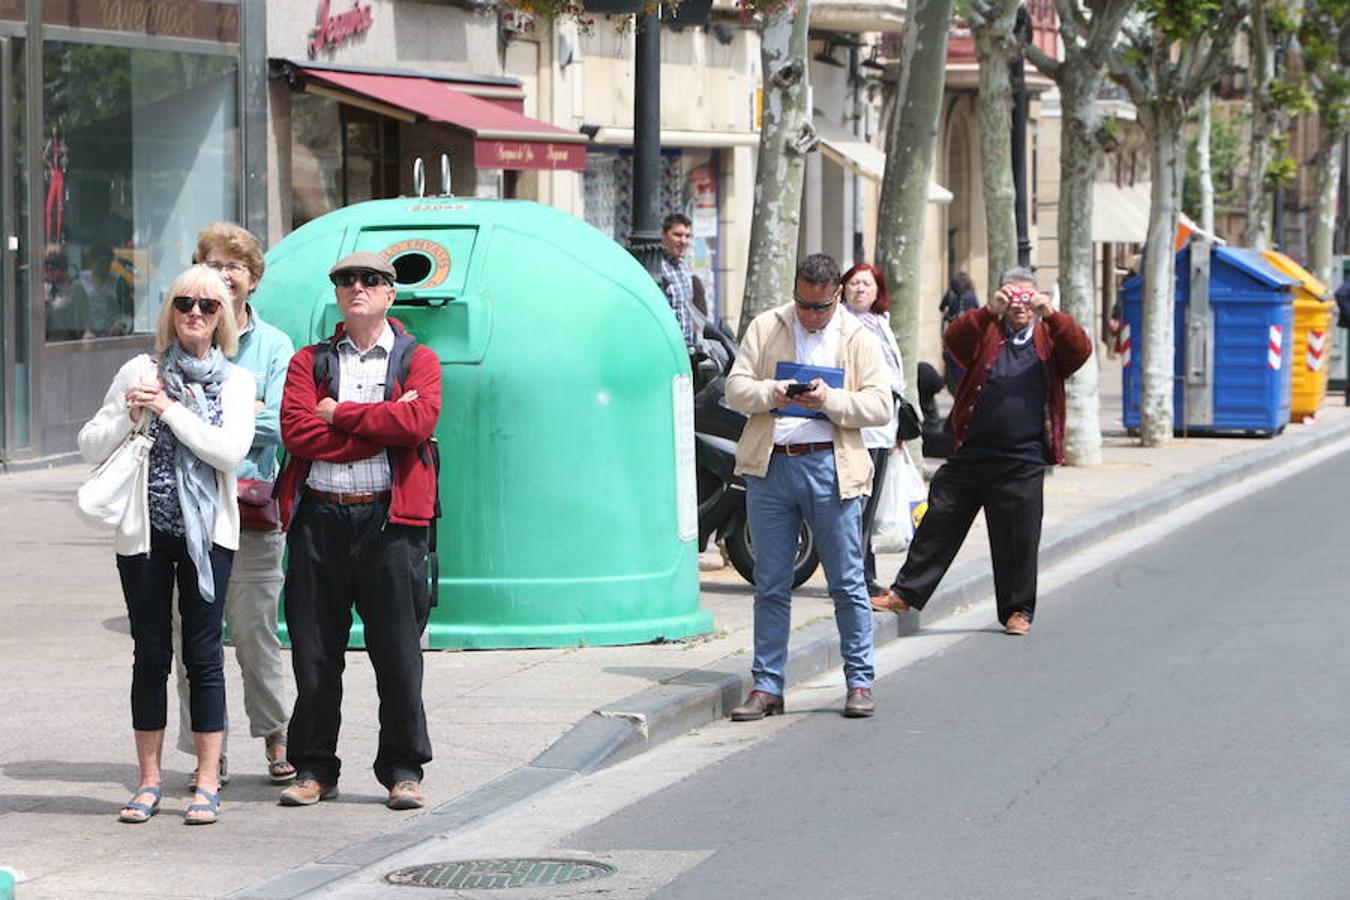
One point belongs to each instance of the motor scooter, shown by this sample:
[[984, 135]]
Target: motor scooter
[[721, 492]]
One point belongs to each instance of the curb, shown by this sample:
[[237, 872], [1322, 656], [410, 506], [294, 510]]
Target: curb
[[641, 721]]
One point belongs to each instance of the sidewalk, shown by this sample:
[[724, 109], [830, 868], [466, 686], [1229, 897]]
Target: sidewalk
[[504, 723]]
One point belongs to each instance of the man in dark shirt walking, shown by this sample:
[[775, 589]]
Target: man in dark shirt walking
[[1008, 421]]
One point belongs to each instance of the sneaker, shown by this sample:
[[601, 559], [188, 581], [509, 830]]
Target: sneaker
[[307, 792], [1018, 624], [406, 795]]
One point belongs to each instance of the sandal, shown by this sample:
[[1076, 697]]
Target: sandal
[[212, 806], [223, 780], [140, 812], [279, 770]]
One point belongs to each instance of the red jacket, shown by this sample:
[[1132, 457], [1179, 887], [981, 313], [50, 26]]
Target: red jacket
[[360, 430], [976, 339]]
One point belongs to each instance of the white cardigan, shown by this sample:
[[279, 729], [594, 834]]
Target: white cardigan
[[222, 447]]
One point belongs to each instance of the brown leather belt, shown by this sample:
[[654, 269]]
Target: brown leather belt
[[348, 499], [803, 449]]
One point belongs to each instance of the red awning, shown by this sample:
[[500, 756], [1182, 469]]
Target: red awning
[[503, 139]]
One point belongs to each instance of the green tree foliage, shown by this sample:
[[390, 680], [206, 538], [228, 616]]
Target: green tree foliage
[[1225, 157]]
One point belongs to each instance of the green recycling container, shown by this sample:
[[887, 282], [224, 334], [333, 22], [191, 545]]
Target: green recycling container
[[569, 507]]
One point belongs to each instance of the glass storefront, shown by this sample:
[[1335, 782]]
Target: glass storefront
[[340, 155], [688, 185], [139, 153], [127, 144]]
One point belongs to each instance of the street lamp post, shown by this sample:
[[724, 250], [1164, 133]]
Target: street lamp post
[[645, 240], [1017, 75]]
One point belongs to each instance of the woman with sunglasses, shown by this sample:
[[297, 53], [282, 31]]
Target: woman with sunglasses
[[183, 529]]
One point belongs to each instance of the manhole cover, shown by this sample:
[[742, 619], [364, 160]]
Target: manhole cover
[[485, 874]]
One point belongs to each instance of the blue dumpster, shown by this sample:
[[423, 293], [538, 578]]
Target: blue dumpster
[[1234, 340]]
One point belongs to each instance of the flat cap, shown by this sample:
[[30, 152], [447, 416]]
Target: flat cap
[[363, 261]]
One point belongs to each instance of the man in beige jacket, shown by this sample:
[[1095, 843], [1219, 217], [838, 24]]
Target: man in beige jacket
[[803, 459]]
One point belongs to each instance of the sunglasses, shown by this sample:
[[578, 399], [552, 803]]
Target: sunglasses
[[815, 307], [208, 305], [369, 279]]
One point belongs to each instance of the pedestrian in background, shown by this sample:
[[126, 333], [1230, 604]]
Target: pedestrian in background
[[866, 298], [678, 279], [811, 468], [959, 300], [255, 580], [184, 528], [359, 493], [1008, 422]]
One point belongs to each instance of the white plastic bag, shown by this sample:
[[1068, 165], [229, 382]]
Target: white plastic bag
[[903, 492]]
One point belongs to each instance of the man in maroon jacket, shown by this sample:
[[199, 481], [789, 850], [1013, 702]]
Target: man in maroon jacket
[[1008, 422], [357, 497]]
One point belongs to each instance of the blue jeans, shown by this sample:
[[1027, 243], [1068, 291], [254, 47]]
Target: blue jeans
[[806, 488]]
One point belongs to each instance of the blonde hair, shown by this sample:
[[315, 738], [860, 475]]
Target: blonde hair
[[198, 281], [232, 240]]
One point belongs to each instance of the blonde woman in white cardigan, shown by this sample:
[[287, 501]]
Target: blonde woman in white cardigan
[[183, 530]]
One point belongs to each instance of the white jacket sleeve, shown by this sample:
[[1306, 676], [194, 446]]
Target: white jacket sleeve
[[102, 434], [222, 446]]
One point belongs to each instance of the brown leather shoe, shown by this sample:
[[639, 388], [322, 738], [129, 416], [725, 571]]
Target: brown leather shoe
[[758, 705], [1017, 623], [859, 704], [406, 795], [307, 792], [889, 601]]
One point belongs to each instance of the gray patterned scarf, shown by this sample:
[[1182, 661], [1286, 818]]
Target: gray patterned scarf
[[190, 381]]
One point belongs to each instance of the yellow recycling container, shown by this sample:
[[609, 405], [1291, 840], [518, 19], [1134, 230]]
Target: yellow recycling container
[[1313, 309]]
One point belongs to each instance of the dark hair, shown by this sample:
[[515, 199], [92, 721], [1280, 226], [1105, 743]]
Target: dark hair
[[883, 301], [818, 268], [674, 219], [961, 283]]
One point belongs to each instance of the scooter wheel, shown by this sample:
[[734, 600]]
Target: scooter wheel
[[742, 555]]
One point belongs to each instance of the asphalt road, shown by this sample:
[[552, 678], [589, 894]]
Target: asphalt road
[[1176, 726]]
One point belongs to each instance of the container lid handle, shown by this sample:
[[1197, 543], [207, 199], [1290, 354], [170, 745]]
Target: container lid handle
[[419, 177], [445, 175]]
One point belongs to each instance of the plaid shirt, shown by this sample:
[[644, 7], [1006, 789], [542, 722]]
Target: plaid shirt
[[360, 380], [680, 294]]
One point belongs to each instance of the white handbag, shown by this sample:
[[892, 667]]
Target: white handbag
[[103, 499], [902, 493]]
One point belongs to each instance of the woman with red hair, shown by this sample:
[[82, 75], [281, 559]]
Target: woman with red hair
[[865, 297]]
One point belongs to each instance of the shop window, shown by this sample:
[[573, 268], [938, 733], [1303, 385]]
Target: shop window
[[339, 155], [689, 184], [139, 152]]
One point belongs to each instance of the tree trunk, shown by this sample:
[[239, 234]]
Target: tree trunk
[[1164, 124], [994, 106], [1203, 170], [785, 136], [1256, 230], [1077, 172], [1326, 178], [909, 162]]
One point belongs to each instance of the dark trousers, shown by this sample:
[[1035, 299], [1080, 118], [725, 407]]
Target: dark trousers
[[1011, 494], [342, 557], [880, 456], [147, 584]]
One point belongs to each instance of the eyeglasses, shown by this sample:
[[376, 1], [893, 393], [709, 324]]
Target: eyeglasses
[[369, 279], [208, 305], [235, 268], [816, 307]]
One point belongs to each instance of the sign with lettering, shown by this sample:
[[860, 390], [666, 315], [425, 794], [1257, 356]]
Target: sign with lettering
[[528, 155], [439, 255], [198, 19], [334, 30]]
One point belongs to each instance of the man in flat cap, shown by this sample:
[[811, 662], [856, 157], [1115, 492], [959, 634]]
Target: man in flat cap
[[358, 496]]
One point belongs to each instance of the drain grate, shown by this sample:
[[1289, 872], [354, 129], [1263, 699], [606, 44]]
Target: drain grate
[[486, 874]]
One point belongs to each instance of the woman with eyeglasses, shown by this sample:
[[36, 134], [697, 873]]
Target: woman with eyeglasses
[[183, 530]]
